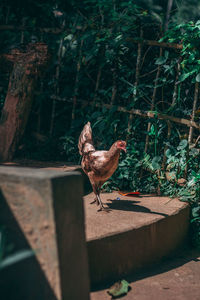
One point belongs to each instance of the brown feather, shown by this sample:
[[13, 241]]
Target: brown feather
[[98, 165], [85, 143]]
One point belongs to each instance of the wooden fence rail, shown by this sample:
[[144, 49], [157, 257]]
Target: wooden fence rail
[[57, 30], [141, 113]]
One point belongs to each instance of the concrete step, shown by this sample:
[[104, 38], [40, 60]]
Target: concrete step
[[176, 278], [59, 166], [136, 233]]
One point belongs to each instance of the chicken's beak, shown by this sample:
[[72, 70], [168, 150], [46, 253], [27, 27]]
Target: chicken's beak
[[124, 149]]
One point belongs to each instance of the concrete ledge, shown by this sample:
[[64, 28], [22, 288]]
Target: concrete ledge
[[51, 166], [43, 210], [136, 233]]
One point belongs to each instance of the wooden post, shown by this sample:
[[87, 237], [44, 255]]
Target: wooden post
[[19, 97]]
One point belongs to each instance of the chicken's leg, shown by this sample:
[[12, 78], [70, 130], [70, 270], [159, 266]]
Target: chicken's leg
[[95, 201], [100, 203], [96, 191]]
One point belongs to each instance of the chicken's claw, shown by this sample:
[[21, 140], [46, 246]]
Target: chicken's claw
[[94, 201], [104, 209]]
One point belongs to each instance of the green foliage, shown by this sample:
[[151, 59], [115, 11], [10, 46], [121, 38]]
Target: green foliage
[[95, 59], [7, 259], [69, 145], [188, 35]]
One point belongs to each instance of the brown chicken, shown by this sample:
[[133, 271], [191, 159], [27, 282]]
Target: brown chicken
[[98, 165]]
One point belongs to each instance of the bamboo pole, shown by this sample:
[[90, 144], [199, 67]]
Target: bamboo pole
[[169, 7], [137, 75], [196, 91], [57, 30], [76, 85], [191, 130], [174, 97], [169, 130], [53, 30], [138, 112], [56, 86], [114, 70], [196, 142], [114, 87], [38, 126], [153, 102], [101, 52], [155, 43], [22, 32]]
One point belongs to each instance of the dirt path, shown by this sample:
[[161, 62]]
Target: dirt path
[[174, 279]]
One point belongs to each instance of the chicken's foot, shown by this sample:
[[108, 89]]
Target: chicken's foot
[[95, 201], [102, 208]]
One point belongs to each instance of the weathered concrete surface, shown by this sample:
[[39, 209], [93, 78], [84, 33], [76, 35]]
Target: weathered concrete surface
[[136, 232], [52, 166], [176, 278], [48, 208]]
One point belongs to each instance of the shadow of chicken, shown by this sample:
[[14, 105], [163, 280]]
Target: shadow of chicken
[[98, 165]]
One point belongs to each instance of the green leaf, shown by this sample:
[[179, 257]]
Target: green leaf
[[191, 182], [155, 162], [17, 257], [182, 145], [119, 288], [198, 77], [194, 152], [100, 40], [168, 153], [152, 130], [196, 212], [184, 76], [166, 54], [161, 60]]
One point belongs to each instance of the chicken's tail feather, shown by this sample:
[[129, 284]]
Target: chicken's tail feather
[[85, 143]]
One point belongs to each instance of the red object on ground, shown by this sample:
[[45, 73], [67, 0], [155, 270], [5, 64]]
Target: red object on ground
[[130, 194]]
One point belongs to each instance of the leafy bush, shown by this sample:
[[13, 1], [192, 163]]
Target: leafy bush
[[96, 62]]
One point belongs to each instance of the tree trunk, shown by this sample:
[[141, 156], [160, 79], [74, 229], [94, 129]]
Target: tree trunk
[[18, 102]]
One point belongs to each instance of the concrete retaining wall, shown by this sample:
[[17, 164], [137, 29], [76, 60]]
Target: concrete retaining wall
[[115, 256], [43, 210]]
